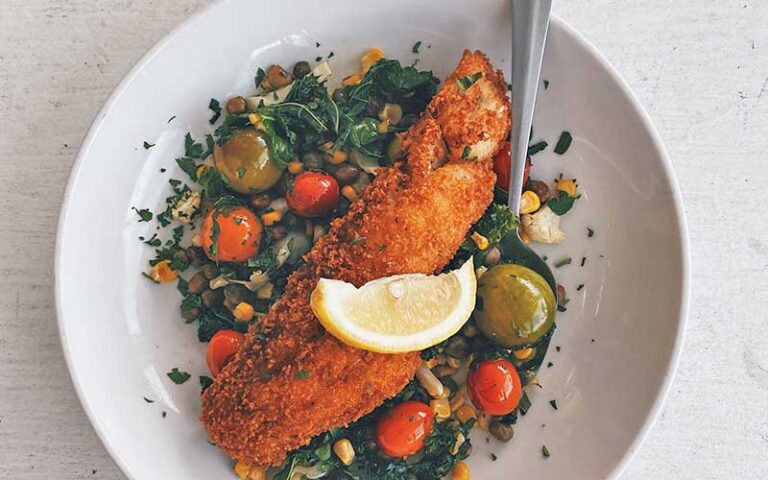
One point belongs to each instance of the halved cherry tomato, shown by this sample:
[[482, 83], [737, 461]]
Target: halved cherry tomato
[[222, 347], [494, 387], [501, 164], [313, 194], [238, 236], [402, 431]]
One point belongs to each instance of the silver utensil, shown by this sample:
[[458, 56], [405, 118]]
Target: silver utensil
[[530, 21]]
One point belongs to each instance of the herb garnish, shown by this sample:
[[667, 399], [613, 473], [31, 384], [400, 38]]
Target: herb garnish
[[563, 262], [302, 374], [357, 240], [148, 400], [581, 285], [205, 382], [148, 145], [562, 203], [546, 84], [494, 457], [468, 80], [563, 143], [537, 147], [171, 119], [145, 214], [545, 451], [590, 232], [583, 261], [178, 376], [416, 46], [553, 403], [525, 403], [215, 107], [260, 74], [465, 153]]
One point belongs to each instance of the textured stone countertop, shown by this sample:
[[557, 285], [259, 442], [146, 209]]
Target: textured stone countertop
[[699, 67]]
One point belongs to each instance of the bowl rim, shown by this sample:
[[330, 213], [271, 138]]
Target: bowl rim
[[569, 31]]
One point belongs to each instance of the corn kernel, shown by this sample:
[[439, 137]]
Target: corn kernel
[[254, 118], [460, 471], [243, 312], [481, 242], [524, 354], [432, 363], [338, 157], [529, 202], [343, 449], [271, 218], [162, 272], [567, 186], [249, 472], [370, 58], [327, 145], [350, 193], [483, 422], [441, 407], [383, 127], [295, 168], [523, 235], [352, 80], [465, 412]]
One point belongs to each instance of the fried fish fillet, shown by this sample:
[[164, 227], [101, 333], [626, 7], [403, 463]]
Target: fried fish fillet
[[291, 380]]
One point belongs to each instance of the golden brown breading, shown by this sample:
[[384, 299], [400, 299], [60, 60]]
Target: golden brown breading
[[412, 218]]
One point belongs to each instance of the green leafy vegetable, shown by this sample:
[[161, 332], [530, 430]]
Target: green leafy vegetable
[[260, 74], [178, 377], [525, 404], [497, 221], [563, 143]]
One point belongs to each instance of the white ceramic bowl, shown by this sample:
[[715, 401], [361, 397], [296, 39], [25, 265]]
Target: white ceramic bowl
[[121, 334]]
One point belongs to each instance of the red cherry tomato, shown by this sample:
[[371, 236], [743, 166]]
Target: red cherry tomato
[[501, 164], [222, 347], [494, 387], [402, 431], [313, 194], [238, 237]]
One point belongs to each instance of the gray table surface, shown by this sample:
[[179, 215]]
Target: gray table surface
[[699, 66]]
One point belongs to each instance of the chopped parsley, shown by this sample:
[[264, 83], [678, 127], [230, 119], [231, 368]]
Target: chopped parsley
[[465, 153], [553, 403], [302, 374], [215, 107], [581, 285], [562, 203], [164, 414], [205, 382], [546, 84], [549, 364], [537, 147], [468, 80], [563, 143], [145, 214], [545, 451], [178, 376], [563, 262], [357, 240], [525, 403], [241, 172], [416, 47], [494, 457], [171, 119], [148, 400], [583, 261], [318, 58], [260, 74], [148, 145], [590, 232]]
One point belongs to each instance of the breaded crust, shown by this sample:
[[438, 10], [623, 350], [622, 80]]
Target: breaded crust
[[411, 219]]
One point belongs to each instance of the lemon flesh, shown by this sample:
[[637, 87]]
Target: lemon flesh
[[401, 313]]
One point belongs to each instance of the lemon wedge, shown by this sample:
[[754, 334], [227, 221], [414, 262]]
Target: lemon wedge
[[401, 313]]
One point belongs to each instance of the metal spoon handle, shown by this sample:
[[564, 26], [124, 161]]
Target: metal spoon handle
[[530, 21]]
